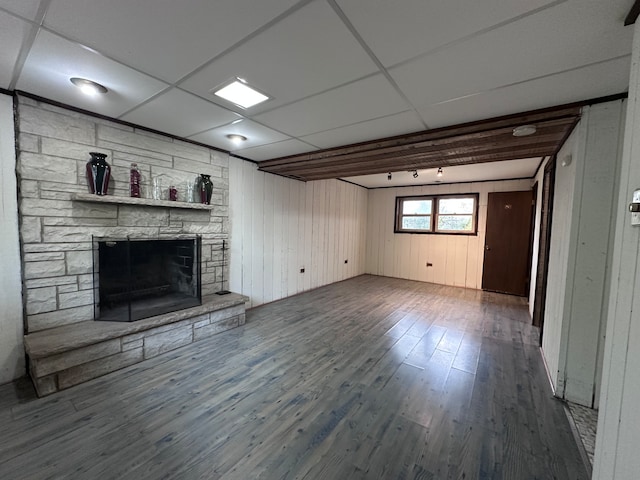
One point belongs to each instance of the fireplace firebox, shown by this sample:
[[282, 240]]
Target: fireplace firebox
[[141, 278]]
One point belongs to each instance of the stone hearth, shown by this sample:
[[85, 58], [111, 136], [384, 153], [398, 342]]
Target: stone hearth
[[71, 354]]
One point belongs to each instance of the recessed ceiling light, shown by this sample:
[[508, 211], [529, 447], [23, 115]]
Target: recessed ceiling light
[[88, 87], [524, 130], [237, 139], [241, 94]]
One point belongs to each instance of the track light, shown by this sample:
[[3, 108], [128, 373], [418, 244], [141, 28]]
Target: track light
[[439, 174], [389, 176], [415, 174]]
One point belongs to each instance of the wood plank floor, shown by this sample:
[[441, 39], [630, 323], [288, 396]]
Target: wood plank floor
[[371, 378]]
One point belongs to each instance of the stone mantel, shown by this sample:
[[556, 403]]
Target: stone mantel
[[147, 202]]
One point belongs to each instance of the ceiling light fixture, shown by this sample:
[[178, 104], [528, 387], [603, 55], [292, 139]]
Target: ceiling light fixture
[[415, 174], [389, 176], [440, 172], [236, 138], [88, 87], [524, 130], [240, 93]]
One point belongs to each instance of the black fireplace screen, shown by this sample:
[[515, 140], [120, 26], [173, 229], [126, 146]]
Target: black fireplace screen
[[138, 278]]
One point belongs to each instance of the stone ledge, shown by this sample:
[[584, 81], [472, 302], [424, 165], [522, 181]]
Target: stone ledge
[[65, 356], [115, 199]]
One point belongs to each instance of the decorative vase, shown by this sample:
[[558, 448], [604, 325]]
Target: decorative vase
[[134, 181], [206, 188], [98, 173]]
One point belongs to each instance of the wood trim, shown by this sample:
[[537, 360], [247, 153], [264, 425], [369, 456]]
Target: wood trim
[[543, 256], [632, 16]]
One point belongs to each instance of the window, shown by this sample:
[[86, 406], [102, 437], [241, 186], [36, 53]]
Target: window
[[451, 214]]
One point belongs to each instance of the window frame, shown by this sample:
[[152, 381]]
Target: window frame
[[435, 206]]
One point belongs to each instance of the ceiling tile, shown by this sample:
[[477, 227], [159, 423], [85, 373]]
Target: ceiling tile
[[256, 135], [397, 33], [25, 8], [13, 32], [590, 82], [363, 100], [179, 113], [162, 37], [586, 31], [275, 150], [405, 122], [52, 61], [289, 60]]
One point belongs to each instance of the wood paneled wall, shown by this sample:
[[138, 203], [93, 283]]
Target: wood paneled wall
[[12, 362], [457, 259], [279, 226], [580, 255]]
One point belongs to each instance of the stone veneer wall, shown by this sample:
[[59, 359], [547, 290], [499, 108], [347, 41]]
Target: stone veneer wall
[[56, 232]]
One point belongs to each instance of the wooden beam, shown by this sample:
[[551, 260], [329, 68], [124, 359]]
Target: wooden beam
[[632, 16], [506, 122], [519, 148]]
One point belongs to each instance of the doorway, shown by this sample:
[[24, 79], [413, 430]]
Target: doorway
[[507, 243]]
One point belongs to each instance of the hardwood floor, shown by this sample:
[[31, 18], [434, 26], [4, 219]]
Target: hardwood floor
[[371, 378]]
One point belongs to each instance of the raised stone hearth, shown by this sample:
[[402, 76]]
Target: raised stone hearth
[[65, 356]]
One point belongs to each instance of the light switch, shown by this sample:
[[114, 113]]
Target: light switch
[[634, 208]]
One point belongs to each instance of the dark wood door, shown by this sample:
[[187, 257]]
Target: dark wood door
[[507, 243]]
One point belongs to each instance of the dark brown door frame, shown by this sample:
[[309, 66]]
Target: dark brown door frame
[[546, 215]]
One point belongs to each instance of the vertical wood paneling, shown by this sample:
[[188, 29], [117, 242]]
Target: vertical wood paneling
[[616, 454], [292, 257], [457, 260], [279, 226], [246, 197], [268, 237], [12, 364], [257, 222]]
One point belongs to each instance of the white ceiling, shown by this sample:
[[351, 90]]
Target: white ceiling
[[338, 71]]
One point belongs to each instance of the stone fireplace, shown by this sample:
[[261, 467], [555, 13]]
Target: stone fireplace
[[60, 223]]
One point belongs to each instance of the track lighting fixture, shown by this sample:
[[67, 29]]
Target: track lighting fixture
[[439, 174], [389, 176], [415, 174]]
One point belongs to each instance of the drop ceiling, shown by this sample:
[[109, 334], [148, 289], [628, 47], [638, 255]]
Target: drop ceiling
[[338, 72]]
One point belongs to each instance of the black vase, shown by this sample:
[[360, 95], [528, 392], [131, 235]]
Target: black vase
[[206, 188], [98, 173]]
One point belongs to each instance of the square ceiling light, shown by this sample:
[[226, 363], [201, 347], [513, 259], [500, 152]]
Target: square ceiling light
[[241, 94]]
